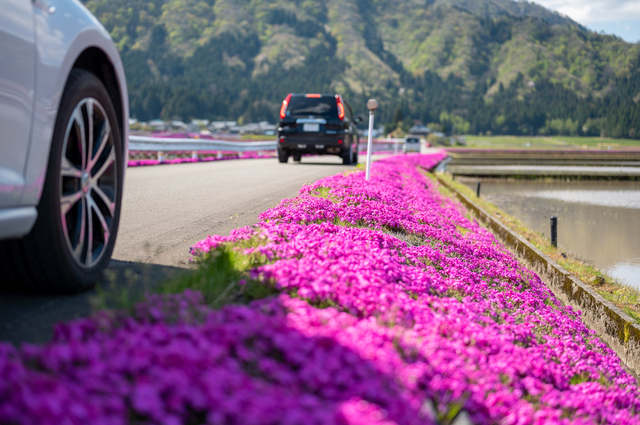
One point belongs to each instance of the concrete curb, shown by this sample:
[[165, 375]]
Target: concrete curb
[[615, 327]]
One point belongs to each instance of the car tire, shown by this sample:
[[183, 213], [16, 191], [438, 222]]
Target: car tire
[[79, 211], [283, 156], [355, 156]]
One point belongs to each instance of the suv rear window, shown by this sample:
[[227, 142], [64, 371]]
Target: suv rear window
[[324, 106], [412, 140]]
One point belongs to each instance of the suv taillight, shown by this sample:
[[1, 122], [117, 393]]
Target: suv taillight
[[283, 108], [340, 106]]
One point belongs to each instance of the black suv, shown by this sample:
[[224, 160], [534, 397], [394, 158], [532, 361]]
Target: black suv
[[321, 124]]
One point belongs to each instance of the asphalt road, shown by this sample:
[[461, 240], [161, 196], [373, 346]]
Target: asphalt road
[[167, 209]]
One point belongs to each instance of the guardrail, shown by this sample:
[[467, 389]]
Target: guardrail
[[168, 144], [380, 145]]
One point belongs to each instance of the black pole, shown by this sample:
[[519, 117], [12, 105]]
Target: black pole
[[554, 231], [478, 190]]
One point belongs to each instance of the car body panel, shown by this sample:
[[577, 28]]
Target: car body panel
[[411, 144], [62, 36], [62, 31], [17, 86], [16, 222]]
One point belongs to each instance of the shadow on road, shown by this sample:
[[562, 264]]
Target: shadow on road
[[336, 161], [311, 162], [30, 318]]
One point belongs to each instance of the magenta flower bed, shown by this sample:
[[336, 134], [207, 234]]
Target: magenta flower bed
[[394, 308], [226, 156]]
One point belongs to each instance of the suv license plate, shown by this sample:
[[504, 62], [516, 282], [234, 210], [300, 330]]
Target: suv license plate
[[311, 127]]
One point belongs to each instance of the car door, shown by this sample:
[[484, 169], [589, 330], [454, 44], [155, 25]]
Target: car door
[[17, 84]]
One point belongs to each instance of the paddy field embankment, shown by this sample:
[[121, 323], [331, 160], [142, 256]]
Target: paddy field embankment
[[545, 162], [607, 307]]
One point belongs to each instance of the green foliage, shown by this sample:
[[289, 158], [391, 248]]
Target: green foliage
[[454, 123], [222, 277], [496, 66], [321, 192]]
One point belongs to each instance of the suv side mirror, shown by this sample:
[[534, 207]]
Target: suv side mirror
[[357, 119]]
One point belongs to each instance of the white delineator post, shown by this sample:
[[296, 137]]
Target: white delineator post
[[372, 105]]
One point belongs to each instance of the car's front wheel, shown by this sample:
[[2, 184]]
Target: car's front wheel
[[79, 210]]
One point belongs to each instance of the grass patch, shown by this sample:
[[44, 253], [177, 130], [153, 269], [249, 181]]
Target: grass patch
[[462, 230], [119, 297], [122, 288], [321, 192], [622, 296], [258, 137], [223, 278], [527, 142]]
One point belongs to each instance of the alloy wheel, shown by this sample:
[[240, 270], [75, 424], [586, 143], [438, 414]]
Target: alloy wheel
[[88, 183]]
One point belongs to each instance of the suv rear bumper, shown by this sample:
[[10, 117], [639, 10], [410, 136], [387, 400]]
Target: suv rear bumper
[[314, 144]]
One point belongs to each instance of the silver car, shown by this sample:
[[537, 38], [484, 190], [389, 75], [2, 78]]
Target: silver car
[[63, 144], [411, 144]]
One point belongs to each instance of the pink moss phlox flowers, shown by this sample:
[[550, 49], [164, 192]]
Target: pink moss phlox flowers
[[511, 353], [274, 362], [394, 308], [228, 156]]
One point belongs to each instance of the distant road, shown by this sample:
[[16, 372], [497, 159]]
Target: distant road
[[166, 209]]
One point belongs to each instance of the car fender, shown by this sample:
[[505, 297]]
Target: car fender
[[62, 36]]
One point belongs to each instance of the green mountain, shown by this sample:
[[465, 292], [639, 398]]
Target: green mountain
[[473, 65], [497, 8]]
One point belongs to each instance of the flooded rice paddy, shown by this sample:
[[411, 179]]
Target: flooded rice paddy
[[597, 220]]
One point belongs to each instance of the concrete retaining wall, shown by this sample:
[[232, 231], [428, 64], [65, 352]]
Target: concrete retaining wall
[[615, 327]]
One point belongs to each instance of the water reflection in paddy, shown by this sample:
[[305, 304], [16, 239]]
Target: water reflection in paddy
[[597, 220]]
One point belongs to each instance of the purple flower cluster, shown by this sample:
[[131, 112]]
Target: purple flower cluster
[[225, 155], [394, 308], [491, 335], [258, 364]]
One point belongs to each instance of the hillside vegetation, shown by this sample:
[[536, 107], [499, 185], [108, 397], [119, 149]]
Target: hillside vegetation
[[495, 66]]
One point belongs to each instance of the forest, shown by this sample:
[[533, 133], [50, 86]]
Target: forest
[[504, 68]]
